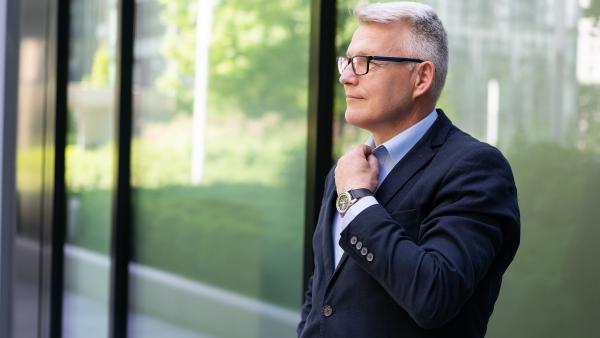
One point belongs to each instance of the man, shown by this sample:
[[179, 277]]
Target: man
[[417, 227]]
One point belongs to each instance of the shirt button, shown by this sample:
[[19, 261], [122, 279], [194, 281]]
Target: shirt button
[[327, 310], [358, 245], [353, 240], [364, 251], [370, 257]]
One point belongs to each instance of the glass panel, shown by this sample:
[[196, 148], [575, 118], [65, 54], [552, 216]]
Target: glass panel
[[32, 155], [89, 167], [218, 168], [524, 76]]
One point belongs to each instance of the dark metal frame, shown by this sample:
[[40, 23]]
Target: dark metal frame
[[60, 197], [122, 220], [121, 228], [320, 118]]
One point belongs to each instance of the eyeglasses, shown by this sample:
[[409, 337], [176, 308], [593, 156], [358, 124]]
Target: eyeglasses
[[360, 64]]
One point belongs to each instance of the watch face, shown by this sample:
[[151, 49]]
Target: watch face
[[343, 202]]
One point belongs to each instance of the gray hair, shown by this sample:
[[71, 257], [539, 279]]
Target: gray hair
[[428, 39]]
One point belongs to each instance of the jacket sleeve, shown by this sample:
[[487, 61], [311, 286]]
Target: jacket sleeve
[[475, 207]]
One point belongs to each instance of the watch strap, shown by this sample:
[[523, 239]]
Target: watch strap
[[361, 192]]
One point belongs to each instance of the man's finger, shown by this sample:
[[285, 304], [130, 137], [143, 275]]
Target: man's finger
[[364, 150], [373, 162]]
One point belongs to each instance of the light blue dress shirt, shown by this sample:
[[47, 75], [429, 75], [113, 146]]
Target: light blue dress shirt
[[388, 154]]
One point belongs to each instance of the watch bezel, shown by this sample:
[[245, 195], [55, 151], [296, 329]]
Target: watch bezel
[[352, 195], [344, 195]]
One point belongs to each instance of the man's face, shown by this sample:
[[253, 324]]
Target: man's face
[[382, 98]]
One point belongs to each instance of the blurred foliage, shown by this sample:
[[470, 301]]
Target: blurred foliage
[[248, 159], [178, 51], [592, 11], [247, 213], [89, 168], [100, 73], [551, 289], [250, 202], [251, 229], [255, 52]]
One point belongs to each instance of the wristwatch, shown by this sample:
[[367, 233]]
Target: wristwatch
[[346, 199]]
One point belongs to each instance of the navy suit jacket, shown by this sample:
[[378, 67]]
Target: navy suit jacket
[[445, 230]]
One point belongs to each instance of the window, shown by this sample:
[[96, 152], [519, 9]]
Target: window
[[89, 168], [218, 166]]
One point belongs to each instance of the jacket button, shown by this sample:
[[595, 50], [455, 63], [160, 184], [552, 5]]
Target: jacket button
[[353, 240], [327, 310], [370, 257], [364, 251], [358, 245]]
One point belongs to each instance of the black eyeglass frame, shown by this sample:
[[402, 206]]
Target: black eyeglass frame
[[369, 58]]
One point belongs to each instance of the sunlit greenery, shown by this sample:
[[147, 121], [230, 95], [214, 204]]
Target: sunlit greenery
[[258, 56], [100, 73], [250, 159]]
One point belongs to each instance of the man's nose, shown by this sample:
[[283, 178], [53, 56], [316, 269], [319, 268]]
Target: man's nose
[[347, 77]]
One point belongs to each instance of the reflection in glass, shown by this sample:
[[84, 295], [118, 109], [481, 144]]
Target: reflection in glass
[[524, 76], [27, 262], [89, 155], [218, 168]]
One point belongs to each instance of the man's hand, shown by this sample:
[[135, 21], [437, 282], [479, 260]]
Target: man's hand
[[358, 168]]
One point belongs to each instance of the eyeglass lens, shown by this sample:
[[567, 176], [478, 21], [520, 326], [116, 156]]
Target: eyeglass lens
[[360, 64]]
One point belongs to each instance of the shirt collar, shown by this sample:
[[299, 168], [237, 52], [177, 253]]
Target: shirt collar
[[400, 144]]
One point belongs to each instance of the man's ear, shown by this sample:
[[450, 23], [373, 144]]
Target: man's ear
[[424, 74]]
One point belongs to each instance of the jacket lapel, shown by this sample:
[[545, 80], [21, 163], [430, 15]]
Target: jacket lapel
[[326, 228], [414, 160]]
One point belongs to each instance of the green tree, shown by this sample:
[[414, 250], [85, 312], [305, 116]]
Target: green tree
[[592, 11], [258, 57], [100, 74], [179, 44]]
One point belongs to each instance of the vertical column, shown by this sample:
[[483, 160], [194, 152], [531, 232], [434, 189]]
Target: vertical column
[[59, 199], [320, 116], [121, 240]]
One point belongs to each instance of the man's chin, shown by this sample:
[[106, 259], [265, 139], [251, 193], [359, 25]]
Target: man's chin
[[355, 119]]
